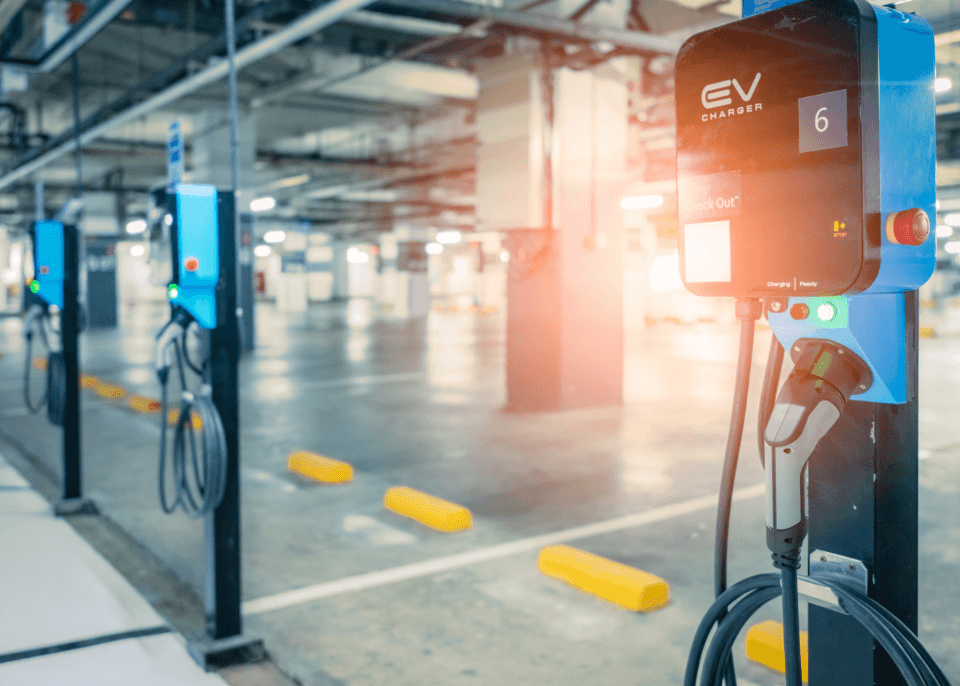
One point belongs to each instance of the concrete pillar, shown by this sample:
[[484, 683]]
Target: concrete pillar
[[565, 283]]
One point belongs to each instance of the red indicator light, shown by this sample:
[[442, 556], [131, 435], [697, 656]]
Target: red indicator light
[[191, 264], [44, 270]]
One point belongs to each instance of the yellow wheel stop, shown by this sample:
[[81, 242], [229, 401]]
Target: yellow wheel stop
[[764, 645], [111, 392], [318, 467], [142, 404], [628, 587], [429, 510]]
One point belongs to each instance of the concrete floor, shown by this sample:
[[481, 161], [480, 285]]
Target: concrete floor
[[418, 404]]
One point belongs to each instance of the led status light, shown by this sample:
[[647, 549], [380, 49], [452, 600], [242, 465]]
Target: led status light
[[826, 312], [173, 291], [34, 286]]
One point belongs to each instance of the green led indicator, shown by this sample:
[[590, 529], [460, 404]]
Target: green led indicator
[[826, 312], [34, 286], [173, 291]]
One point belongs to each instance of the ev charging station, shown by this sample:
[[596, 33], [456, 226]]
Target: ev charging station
[[56, 285], [806, 178], [205, 478]]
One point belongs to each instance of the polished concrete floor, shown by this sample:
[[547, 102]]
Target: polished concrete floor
[[418, 403]]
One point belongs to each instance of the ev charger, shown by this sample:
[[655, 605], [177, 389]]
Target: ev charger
[[48, 256], [806, 148], [198, 253], [805, 152]]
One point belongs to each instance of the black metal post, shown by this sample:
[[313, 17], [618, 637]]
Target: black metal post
[[223, 524], [225, 644], [72, 501], [863, 505]]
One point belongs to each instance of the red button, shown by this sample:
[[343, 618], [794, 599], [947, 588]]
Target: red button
[[908, 227], [191, 264], [44, 270]]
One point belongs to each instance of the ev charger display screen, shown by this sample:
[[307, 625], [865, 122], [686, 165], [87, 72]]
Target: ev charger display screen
[[778, 194]]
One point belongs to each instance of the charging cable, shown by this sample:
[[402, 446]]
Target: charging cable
[[198, 473], [37, 323]]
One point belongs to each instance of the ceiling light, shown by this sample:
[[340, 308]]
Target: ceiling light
[[952, 219], [952, 247], [137, 226], [944, 231], [942, 84], [262, 251], [641, 202], [262, 204], [168, 220], [357, 256], [434, 248], [449, 236], [275, 236], [137, 250]]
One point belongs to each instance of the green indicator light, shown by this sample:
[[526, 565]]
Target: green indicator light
[[173, 291], [826, 312], [34, 286]]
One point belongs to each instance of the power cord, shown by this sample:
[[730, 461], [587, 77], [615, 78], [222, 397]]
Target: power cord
[[199, 474], [34, 324]]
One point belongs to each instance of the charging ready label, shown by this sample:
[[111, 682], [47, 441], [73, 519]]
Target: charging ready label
[[706, 203]]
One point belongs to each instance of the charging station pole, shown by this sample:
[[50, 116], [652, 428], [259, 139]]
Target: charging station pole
[[863, 506], [72, 500], [223, 524]]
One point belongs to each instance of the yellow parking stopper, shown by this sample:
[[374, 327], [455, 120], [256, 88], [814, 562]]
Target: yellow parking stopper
[[111, 392], [142, 404], [87, 381], [173, 416], [628, 587], [318, 467], [429, 510], [764, 645]]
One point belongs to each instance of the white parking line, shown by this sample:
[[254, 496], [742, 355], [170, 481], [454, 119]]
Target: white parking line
[[360, 582]]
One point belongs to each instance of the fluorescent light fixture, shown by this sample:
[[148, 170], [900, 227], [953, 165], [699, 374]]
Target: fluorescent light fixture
[[942, 84], [937, 204], [137, 250], [449, 237], [262, 204], [357, 256], [434, 248], [168, 219], [137, 226], [276, 236], [291, 181], [952, 247], [952, 219], [944, 231], [262, 251], [641, 202]]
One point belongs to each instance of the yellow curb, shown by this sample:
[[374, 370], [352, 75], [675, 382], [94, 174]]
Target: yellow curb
[[40, 363], [429, 510], [174, 415], [111, 392], [87, 381], [764, 645], [142, 404], [626, 586], [928, 332], [318, 467]]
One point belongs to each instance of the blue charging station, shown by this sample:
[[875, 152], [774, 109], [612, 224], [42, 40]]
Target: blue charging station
[[905, 133], [48, 252], [806, 152], [198, 253]]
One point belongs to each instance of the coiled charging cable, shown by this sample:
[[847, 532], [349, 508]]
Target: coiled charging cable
[[54, 393], [198, 473]]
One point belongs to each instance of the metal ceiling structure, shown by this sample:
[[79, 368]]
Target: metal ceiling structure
[[346, 94]]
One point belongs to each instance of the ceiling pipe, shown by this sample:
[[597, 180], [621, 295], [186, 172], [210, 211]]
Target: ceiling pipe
[[545, 26], [79, 36], [308, 24], [402, 24]]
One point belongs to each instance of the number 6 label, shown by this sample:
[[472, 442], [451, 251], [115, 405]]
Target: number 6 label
[[823, 121]]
